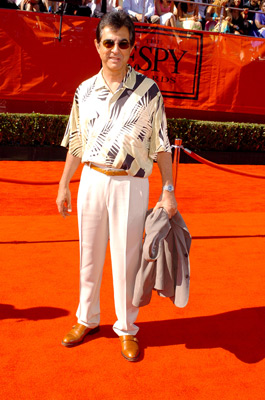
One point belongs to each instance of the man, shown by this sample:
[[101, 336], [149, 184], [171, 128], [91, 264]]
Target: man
[[117, 127]]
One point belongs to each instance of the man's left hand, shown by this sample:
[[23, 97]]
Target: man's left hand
[[168, 202]]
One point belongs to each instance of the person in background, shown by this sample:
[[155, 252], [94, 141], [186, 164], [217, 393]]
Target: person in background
[[188, 16], [236, 17], [113, 5], [68, 8], [95, 8], [117, 129], [251, 6], [135, 9], [99, 7], [164, 9], [202, 11], [53, 6], [260, 20], [83, 9], [246, 3], [213, 17], [34, 5], [10, 4]]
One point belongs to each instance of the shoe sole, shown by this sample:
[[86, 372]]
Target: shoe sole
[[131, 359], [92, 332]]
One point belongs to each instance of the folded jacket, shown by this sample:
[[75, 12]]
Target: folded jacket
[[165, 265]]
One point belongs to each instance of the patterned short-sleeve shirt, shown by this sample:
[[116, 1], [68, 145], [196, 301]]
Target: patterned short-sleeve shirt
[[123, 130]]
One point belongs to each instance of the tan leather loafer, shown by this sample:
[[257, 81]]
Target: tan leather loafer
[[130, 347], [77, 335]]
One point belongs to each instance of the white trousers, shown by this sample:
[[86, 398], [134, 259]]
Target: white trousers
[[110, 208]]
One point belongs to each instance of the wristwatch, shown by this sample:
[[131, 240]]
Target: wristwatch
[[168, 188]]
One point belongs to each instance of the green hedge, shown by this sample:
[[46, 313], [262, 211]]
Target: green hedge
[[218, 136], [32, 129], [46, 130]]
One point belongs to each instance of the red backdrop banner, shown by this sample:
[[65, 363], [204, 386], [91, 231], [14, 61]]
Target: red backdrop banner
[[194, 70]]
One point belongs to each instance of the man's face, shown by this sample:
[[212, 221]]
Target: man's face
[[114, 59]]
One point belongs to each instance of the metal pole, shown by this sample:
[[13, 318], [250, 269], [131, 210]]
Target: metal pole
[[221, 19], [178, 143], [63, 5], [60, 27]]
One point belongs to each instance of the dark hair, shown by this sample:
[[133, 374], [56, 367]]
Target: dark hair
[[232, 4], [184, 7], [116, 20]]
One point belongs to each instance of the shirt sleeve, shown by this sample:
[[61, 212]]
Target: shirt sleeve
[[159, 138], [127, 8], [258, 17], [149, 8], [72, 137]]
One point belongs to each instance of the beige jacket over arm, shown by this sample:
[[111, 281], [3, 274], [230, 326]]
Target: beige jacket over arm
[[165, 264]]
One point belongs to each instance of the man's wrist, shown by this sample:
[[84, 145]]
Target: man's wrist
[[64, 183], [168, 188]]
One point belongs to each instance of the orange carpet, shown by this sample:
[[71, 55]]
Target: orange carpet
[[212, 349]]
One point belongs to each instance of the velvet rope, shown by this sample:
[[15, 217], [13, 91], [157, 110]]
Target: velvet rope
[[217, 166], [187, 151], [33, 182]]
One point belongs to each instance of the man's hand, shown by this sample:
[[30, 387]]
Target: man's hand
[[168, 202], [63, 201]]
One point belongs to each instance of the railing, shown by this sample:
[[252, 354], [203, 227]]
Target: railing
[[208, 3], [175, 165], [205, 4], [223, 8]]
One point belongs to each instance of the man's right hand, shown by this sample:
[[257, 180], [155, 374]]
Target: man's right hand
[[63, 201]]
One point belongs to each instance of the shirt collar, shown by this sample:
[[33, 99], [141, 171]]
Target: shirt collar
[[130, 78], [100, 83], [128, 81]]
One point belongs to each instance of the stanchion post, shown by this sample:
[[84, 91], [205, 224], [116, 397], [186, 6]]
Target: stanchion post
[[178, 143]]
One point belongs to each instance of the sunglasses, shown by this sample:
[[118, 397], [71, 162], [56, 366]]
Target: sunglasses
[[109, 44]]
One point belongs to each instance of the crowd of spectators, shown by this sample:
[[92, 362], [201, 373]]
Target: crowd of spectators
[[239, 17]]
